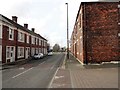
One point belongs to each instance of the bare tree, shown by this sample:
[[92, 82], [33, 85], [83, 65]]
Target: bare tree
[[56, 48]]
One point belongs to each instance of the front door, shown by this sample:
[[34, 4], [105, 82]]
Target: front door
[[12, 54], [27, 52]]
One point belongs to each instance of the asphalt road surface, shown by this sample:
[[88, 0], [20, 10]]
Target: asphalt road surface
[[34, 74]]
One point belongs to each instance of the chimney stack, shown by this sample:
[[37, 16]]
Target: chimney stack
[[14, 18], [33, 29], [26, 26]]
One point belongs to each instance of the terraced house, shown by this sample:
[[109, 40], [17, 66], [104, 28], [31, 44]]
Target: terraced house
[[96, 34], [18, 42]]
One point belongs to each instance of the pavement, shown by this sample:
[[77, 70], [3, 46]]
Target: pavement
[[95, 76], [13, 64], [74, 75]]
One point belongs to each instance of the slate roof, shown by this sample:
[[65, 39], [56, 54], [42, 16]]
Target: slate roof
[[9, 21]]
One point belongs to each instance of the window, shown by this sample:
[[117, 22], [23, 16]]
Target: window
[[9, 52], [27, 38], [11, 34], [44, 43], [33, 40], [36, 41], [20, 52], [39, 41], [21, 37]]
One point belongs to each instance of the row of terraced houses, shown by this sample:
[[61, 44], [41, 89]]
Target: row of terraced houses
[[18, 42], [96, 34]]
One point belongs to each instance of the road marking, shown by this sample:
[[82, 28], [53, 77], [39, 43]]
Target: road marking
[[22, 73], [58, 77], [52, 67], [42, 63], [21, 68], [49, 86]]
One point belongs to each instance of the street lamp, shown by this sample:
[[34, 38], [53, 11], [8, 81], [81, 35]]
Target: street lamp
[[67, 34]]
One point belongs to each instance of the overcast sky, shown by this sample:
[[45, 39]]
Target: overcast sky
[[48, 17]]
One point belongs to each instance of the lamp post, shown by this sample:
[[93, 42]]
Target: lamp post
[[67, 34]]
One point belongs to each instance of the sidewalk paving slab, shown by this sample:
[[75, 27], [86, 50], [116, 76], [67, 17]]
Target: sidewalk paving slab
[[62, 79], [87, 77]]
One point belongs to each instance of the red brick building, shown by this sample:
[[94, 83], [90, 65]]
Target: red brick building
[[96, 33], [18, 42]]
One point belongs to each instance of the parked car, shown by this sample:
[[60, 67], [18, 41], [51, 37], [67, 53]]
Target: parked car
[[38, 56], [50, 53]]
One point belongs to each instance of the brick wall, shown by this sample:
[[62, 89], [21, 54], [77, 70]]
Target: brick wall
[[97, 39], [102, 31], [6, 42]]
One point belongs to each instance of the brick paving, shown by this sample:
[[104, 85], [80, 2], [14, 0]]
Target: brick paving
[[62, 79], [76, 75], [92, 76]]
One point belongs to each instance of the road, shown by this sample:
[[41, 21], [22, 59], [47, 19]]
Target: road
[[34, 74]]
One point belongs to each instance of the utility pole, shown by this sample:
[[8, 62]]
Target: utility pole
[[67, 34]]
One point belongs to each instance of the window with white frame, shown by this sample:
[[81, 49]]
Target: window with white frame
[[39, 41], [11, 34], [21, 36], [36, 40], [9, 51], [44, 43], [0, 31], [33, 40], [27, 38], [20, 52]]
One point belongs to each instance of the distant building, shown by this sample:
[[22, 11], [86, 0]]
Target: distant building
[[96, 33], [18, 42]]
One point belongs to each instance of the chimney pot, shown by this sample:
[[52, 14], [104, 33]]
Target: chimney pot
[[33, 29], [26, 26], [14, 18]]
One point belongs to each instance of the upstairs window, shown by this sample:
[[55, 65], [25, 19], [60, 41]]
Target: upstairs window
[[11, 34], [36, 41], [39, 42], [21, 37], [33, 40], [27, 38]]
